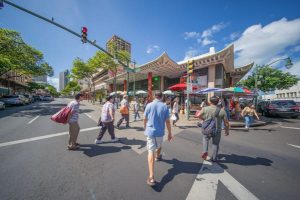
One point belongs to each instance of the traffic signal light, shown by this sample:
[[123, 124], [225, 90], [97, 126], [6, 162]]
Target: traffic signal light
[[84, 31], [190, 67]]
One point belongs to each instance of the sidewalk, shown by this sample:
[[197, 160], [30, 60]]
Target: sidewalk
[[94, 110]]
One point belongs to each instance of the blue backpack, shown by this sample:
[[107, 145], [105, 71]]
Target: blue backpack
[[209, 126]]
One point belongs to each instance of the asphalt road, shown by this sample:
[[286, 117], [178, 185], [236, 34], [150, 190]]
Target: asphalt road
[[265, 161]]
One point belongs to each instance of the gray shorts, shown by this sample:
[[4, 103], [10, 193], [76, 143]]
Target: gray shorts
[[154, 143]]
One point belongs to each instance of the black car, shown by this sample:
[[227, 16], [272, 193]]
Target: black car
[[283, 108]]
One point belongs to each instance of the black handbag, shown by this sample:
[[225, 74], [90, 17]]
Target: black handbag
[[100, 123]]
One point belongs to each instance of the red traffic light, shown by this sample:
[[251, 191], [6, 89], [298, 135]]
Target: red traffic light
[[84, 29]]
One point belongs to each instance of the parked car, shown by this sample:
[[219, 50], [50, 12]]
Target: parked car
[[2, 105], [14, 100], [37, 98], [48, 98], [29, 97], [284, 108]]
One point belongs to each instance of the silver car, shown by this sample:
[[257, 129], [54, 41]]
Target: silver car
[[2, 105], [14, 100]]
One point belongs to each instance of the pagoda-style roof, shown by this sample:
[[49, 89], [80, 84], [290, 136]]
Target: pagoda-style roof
[[165, 66]]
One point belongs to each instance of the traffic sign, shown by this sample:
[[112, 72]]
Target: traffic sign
[[189, 87]]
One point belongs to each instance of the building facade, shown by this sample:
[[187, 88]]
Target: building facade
[[63, 79], [40, 79], [14, 83], [119, 44], [293, 93]]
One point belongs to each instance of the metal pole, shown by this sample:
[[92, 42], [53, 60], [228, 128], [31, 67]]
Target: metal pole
[[65, 28], [187, 113], [127, 82], [134, 78], [256, 91]]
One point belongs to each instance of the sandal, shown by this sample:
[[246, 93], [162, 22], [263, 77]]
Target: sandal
[[73, 148], [151, 181], [158, 158]]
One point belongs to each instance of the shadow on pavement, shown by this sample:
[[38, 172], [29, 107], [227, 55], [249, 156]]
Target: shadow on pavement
[[92, 150], [242, 160], [85, 110], [178, 167], [134, 141]]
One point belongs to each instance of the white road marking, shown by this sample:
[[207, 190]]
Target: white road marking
[[88, 115], [294, 145], [33, 119], [42, 137], [290, 127], [206, 184]]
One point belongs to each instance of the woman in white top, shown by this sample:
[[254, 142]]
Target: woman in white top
[[175, 111]]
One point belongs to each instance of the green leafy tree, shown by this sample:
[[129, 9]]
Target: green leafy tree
[[82, 70], [267, 78], [71, 87], [52, 90], [33, 86]]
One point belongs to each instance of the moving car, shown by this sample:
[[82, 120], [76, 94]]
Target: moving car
[[2, 105], [29, 97], [14, 100], [37, 98], [48, 98], [283, 108]]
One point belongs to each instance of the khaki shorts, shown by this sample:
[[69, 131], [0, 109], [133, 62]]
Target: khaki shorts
[[154, 143]]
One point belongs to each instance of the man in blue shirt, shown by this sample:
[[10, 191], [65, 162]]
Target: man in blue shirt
[[156, 116]]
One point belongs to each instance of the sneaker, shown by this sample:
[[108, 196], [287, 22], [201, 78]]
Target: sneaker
[[98, 141], [115, 140], [204, 156], [213, 160]]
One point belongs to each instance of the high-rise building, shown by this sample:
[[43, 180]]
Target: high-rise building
[[63, 79], [119, 45], [40, 79]]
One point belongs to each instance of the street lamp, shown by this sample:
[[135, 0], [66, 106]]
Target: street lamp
[[287, 65]]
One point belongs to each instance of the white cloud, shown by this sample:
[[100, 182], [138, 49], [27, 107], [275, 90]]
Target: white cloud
[[234, 35], [214, 29], [296, 48], [294, 69], [188, 35], [261, 44], [54, 81], [208, 34], [152, 49], [190, 53], [207, 41]]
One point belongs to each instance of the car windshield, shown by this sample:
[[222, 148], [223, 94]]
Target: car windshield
[[11, 96], [284, 103]]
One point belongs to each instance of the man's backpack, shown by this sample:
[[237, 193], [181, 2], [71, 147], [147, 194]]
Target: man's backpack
[[209, 126]]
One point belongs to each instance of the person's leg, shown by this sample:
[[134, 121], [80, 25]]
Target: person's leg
[[127, 120], [121, 120], [76, 132], [151, 154], [111, 130], [102, 132], [72, 132], [177, 116], [247, 121], [215, 145], [250, 120], [134, 116], [138, 114], [205, 141]]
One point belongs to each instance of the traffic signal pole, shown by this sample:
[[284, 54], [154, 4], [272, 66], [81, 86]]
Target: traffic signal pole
[[64, 28]]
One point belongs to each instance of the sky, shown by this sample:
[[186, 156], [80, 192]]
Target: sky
[[261, 31]]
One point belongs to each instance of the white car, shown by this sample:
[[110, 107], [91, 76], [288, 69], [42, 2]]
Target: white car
[[2, 105]]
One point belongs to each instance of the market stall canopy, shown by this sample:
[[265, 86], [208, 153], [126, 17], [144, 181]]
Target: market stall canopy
[[207, 90], [141, 92], [180, 87]]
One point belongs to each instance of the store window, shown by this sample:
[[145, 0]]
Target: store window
[[219, 71]]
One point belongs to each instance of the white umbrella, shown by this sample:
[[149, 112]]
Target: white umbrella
[[140, 92], [113, 93], [169, 92]]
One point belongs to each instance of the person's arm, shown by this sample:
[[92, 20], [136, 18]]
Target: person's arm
[[202, 114], [255, 113], [168, 124], [111, 113], [243, 112], [145, 122]]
